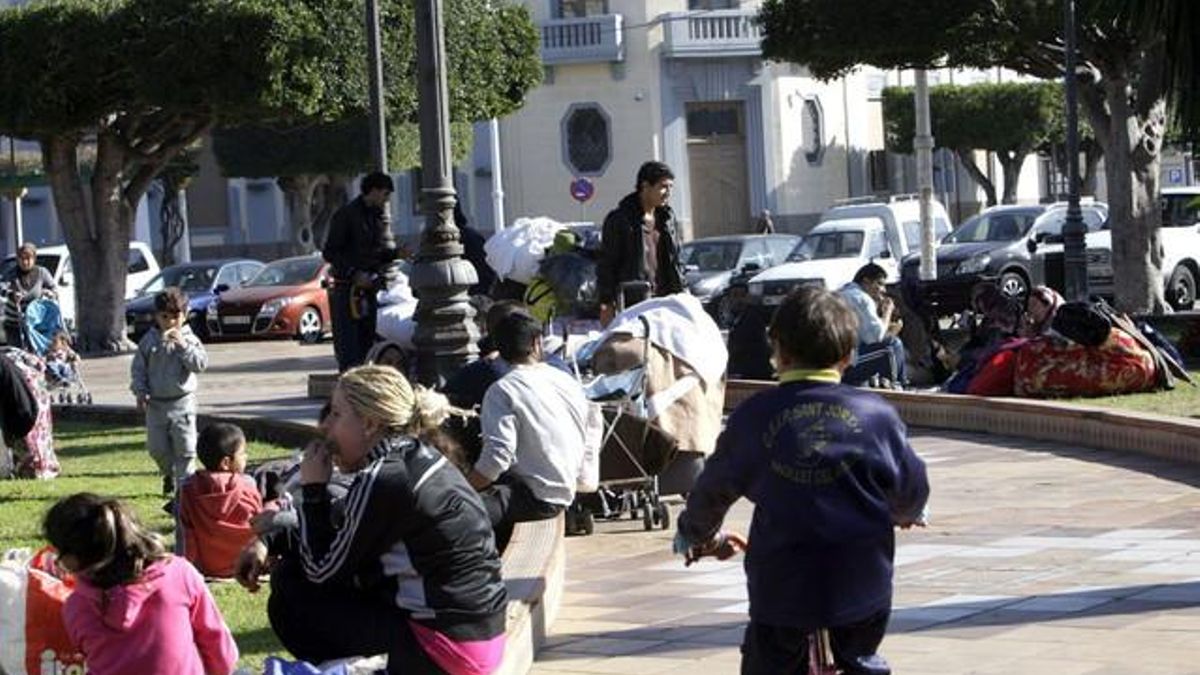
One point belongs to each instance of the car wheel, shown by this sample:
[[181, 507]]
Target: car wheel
[[199, 325], [725, 311], [1013, 285], [1181, 290], [309, 328]]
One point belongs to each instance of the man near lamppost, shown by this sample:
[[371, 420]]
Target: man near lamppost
[[359, 248], [640, 240]]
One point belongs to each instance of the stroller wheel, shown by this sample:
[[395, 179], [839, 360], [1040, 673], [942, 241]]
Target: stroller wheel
[[664, 516], [648, 517]]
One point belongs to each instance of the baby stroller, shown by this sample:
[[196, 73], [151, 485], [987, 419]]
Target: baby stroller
[[633, 450], [42, 320]]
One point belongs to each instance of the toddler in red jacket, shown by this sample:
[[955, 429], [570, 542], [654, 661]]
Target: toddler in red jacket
[[217, 503]]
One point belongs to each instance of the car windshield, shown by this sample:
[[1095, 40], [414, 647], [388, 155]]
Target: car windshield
[[188, 279], [999, 226], [293, 272], [1180, 210], [824, 245], [712, 256]]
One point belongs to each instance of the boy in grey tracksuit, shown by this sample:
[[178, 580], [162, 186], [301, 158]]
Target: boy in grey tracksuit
[[163, 380]]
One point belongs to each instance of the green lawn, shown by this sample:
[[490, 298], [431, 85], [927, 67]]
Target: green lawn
[[113, 461], [1182, 401]]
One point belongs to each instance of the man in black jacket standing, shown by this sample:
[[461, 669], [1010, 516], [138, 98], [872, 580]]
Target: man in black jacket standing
[[641, 240], [359, 248]]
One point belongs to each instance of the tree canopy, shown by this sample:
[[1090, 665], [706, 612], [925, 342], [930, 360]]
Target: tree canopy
[[1139, 55], [1010, 119], [139, 81], [492, 51]]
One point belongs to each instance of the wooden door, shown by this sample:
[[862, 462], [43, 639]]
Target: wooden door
[[717, 168]]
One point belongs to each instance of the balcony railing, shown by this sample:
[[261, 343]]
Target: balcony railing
[[716, 33], [593, 39]]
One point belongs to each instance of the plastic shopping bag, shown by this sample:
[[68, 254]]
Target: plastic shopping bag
[[588, 479], [33, 638]]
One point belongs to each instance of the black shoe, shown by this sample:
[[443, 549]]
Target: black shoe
[[168, 486]]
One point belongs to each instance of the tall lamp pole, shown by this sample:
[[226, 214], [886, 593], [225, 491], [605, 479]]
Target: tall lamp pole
[[375, 89], [923, 144], [446, 333], [1075, 281]]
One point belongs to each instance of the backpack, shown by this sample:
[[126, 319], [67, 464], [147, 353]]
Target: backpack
[[1084, 323]]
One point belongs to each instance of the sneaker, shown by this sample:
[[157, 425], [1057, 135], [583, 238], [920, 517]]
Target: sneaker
[[168, 486]]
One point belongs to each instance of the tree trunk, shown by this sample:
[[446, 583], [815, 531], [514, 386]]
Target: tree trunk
[[967, 157], [1092, 154], [1132, 152], [1010, 167], [298, 196], [97, 237], [328, 198]]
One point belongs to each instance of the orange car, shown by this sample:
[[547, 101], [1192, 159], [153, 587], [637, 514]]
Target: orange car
[[286, 299]]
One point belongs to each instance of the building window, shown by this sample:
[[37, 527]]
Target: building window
[[587, 139], [713, 4], [706, 121], [812, 130], [577, 9]]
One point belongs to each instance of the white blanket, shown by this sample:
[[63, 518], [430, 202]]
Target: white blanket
[[515, 251], [678, 324]]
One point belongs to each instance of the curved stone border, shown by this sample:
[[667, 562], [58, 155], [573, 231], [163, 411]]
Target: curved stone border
[[533, 565], [1171, 438]]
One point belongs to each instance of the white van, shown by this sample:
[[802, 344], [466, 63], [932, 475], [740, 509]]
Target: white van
[[849, 236], [57, 259]]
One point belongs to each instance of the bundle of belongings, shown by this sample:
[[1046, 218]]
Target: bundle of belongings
[[684, 377], [565, 284], [1089, 349]]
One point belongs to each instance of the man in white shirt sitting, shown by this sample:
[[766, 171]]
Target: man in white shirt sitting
[[878, 321], [533, 422]]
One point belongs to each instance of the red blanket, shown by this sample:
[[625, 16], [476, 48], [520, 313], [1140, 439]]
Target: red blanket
[[1052, 367]]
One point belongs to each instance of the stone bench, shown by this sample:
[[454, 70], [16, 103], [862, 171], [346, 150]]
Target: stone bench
[[534, 569]]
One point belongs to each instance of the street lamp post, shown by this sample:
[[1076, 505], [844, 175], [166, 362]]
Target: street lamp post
[[446, 333], [1075, 281], [375, 89]]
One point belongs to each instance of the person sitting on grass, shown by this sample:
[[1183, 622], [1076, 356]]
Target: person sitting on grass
[[217, 503], [830, 471], [136, 609], [412, 570]]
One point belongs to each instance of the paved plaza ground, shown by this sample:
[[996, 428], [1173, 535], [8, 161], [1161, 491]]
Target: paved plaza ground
[[1039, 559]]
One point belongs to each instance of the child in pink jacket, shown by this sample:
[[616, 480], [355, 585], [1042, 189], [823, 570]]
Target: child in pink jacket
[[136, 608]]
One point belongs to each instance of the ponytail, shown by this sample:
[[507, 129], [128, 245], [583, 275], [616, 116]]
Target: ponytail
[[112, 548]]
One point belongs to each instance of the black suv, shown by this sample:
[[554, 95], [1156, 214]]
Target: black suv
[[999, 245]]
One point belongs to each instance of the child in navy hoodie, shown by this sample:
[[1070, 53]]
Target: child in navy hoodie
[[830, 472]]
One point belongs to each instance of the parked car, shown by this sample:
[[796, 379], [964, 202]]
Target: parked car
[[201, 280], [57, 260], [285, 299], [998, 245], [848, 237], [1180, 234], [711, 263]]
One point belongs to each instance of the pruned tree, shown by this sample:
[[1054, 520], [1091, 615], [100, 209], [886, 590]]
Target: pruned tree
[[172, 219], [1010, 119], [1138, 56], [492, 51], [142, 80]]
